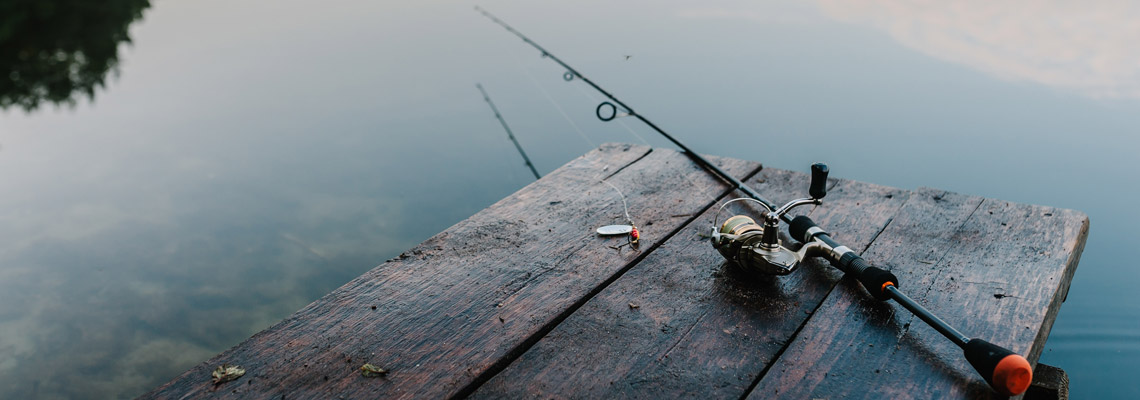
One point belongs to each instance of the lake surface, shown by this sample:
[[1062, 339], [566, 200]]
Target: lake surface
[[250, 157]]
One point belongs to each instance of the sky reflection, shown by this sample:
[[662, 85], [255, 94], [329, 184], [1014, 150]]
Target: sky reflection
[[1087, 49], [253, 156]]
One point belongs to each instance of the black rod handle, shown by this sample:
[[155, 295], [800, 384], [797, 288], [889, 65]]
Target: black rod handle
[[818, 187], [874, 279], [1007, 372]]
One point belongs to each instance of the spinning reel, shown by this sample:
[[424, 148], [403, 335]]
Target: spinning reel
[[756, 247]]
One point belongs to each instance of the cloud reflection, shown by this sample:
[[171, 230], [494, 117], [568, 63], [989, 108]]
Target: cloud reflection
[[133, 301], [1086, 48]]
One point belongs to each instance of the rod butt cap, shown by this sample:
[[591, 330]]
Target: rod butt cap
[[1012, 375]]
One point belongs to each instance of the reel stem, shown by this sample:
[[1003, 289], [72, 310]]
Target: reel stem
[[1006, 372]]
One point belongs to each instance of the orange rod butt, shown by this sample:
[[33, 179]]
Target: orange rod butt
[[1012, 375]]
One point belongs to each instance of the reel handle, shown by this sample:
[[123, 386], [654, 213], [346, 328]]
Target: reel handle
[[817, 190], [818, 187], [1007, 372]]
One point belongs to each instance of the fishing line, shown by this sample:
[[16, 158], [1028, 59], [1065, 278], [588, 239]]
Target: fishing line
[[630, 230], [510, 166], [620, 122], [624, 205], [616, 105], [557, 106], [632, 234], [707, 194], [746, 243]]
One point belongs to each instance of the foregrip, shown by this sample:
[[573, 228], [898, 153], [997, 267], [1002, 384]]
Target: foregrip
[[874, 279]]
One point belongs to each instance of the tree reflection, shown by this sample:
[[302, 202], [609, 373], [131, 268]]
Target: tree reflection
[[52, 50]]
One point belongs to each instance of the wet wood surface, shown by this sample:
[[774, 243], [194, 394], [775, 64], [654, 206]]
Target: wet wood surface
[[524, 300], [451, 312], [683, 323], [993, 269]]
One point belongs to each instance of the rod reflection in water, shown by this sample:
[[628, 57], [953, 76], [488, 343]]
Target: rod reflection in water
[[509, 133]]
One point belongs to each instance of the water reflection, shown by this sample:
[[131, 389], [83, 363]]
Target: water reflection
[[53, 50], [256, 155], [106, 299], [1068, 45]]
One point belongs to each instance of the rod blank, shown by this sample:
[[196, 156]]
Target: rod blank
[[1005, 371], [701, 161]]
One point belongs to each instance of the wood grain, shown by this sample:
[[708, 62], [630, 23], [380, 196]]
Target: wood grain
[[524, 300], [996, 270], [455, 309], [683, 323]]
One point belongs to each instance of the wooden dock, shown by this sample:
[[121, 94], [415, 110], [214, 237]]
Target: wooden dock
[[524, 300]]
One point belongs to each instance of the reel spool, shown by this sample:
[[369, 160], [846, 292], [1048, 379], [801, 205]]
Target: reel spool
[[756, 247]]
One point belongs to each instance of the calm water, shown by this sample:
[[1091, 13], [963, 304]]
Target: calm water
[[253, 156]]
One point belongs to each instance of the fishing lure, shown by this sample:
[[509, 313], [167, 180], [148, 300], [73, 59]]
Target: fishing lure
[[632, 234], [1007, 372]]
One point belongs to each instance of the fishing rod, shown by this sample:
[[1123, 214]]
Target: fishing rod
[[508, 129], [572, 73], [608, 230], [757, 249]]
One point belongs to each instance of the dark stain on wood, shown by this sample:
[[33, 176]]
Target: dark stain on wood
[[524, 300], [438, 327], [855, 347], [703, 330]]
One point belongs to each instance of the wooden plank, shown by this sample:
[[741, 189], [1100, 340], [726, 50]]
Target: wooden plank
[[996, 270], [1049, 383], [456, 309], [682, 323]]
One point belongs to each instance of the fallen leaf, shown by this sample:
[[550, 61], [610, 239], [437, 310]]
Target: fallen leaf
[[370, 371], [226, 373]]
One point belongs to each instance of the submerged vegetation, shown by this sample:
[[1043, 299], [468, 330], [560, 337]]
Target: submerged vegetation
[[53, 50]]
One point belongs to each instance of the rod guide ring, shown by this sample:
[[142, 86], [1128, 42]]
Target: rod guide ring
[[613, 111]]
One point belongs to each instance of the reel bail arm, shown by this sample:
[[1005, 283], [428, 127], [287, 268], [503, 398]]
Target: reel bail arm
[[740, 240], [756, 247]]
